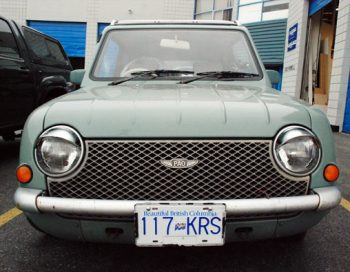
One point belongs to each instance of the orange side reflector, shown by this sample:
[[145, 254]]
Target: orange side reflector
[[331, 173], [24, 174]]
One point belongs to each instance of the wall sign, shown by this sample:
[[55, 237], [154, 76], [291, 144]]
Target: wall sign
[[292, 37]]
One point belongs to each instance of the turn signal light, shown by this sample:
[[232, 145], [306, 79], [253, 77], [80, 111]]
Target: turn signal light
[[331, 172], [24, 174]]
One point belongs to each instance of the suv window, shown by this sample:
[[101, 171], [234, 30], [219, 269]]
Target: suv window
[[8, 46], [56, 52], [48, 51]]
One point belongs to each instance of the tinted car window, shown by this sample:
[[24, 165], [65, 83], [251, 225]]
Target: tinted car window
[[49, 52], [8, 46], [37, 44], [56, 52]]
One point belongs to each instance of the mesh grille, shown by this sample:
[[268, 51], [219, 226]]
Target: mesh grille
[[131, 170]]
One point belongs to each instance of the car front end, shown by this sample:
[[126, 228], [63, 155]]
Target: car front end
[[162, 161]]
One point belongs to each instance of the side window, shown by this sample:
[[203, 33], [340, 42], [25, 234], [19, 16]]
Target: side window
[[48, 52], [55, 51], [37, 44], [8, 46]]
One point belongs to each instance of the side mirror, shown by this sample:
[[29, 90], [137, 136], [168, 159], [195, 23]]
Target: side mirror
[[274, 76], [76, 76]]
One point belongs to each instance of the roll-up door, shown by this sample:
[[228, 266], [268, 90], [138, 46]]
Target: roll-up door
[[71, 35], [100, 28]]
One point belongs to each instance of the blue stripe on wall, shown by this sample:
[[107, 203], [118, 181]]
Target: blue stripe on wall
[[316, 5], [346, 126], [72, 36]]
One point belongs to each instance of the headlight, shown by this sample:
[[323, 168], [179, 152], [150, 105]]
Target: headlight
[[297, 150], [58, 151]]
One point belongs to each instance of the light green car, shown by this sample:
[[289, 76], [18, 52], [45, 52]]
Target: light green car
[[176, 138]]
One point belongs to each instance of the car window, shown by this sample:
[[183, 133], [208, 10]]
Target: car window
[[55, 51], [110, 59], [124, 52], [49, 52], [37, 44], [243, 57], [8, 46]]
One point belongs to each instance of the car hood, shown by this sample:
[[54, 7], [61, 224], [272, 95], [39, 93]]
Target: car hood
[[139, 110]]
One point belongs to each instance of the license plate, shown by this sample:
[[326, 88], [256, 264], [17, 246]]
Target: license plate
[[179, 224]]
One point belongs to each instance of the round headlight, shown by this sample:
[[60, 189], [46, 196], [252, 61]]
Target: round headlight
[[59, 151], [297, 150]]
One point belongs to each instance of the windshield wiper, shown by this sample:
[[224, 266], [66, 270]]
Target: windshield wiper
[[151, 74], [225, 75]]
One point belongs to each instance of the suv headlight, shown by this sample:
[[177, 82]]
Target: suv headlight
[[59, 151], [297, 150]]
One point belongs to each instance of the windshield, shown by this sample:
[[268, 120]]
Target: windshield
[[125, 52]]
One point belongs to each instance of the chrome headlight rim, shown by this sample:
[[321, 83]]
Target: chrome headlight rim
[[280, 164], [75, 134]]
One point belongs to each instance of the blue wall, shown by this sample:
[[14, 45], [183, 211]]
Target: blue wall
[[346, 127], [100, 28], [279, 85], [72, 36]]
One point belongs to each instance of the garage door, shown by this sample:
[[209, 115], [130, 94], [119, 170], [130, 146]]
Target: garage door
[[100, 28], [346, 127], [316, 5], [72, 36]]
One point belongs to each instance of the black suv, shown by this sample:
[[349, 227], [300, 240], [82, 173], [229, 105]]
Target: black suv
[[33, 69]]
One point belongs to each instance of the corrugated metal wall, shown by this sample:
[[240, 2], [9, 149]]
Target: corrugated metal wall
[[72, 36], [269, 38]]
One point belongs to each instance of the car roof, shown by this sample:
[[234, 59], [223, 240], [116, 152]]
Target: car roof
[[181, 22]]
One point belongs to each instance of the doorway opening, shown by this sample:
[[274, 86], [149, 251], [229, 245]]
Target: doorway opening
[[319, 56]]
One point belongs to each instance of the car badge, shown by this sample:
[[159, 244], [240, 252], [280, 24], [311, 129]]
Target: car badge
[[179, 163]]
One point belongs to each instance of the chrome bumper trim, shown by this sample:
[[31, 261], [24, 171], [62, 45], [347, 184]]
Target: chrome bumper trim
[[31, 200], [25, 199]]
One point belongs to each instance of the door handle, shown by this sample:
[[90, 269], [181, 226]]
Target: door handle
[[24, 70]]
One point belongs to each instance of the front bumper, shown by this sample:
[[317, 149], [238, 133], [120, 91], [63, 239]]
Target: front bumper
[[33, 201]]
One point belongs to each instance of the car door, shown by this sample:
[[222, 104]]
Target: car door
[[48, 55], [16, 81]]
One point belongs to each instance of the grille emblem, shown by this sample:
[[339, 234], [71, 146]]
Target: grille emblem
[[179, 163]]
